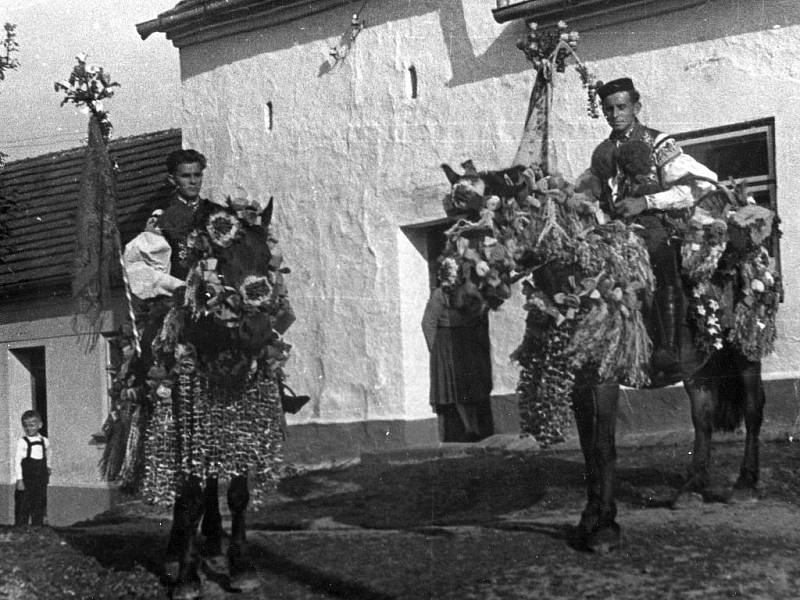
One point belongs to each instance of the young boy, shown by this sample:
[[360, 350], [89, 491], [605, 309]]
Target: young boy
[[32, 471]]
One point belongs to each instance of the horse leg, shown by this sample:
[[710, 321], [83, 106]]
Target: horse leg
[[703, 396], [596, 415], [241, 572], [606, 535], [214, 562], [585, 418], [187, 512], [750, 377]]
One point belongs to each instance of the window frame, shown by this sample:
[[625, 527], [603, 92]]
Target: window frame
[[755, 184]]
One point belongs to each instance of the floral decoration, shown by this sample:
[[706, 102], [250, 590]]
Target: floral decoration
[[704, 243], [704, 311], [582, 282], [222, 228], [87, 86], [548, 49], [255, 291], [210, 403], [753, 330], [735, 290]]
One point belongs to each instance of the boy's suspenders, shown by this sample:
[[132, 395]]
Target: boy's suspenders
[[31, 444]]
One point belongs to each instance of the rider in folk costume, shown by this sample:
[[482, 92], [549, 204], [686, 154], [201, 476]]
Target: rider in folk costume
[[185, 173], [647, 180]]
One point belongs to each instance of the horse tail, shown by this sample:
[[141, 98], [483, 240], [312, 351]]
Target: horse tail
[[729, 408]]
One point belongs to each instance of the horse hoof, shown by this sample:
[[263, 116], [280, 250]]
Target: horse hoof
[[215, 566], [245, 582], [188, 591], [171, 571], [687, 500], [605, 539], [743, 495]]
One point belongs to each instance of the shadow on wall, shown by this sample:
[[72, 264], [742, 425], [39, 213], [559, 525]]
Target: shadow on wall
[[332, 26], [717, 19]]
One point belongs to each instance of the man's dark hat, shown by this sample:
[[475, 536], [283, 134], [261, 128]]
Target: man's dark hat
[[624, 84]]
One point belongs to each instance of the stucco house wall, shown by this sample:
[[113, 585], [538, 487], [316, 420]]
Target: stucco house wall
[[352, 158]]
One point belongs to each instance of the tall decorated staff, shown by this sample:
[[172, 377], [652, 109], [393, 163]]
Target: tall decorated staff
[[98, 252], [8, 62], [97, 237], [549, 51]]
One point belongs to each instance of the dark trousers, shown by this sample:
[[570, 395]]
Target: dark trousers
[[30, 505]]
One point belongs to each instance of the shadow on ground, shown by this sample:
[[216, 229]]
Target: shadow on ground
[[456, 491], [511, 502]]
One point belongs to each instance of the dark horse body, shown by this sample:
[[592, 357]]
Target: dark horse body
[[722, 387], [723, 390], [243, 327]]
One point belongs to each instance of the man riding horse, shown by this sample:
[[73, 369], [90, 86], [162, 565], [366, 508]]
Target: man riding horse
[[645, 179], [210, 373]]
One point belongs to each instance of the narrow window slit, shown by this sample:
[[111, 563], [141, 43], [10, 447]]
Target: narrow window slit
[[268, 117], [412, 77]]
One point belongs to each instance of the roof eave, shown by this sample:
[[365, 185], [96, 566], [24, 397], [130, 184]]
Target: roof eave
[[590, 14], [219, 18]]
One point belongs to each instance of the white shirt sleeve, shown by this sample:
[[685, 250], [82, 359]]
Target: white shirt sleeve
[[22, 452], [681, 195], [49, 454]]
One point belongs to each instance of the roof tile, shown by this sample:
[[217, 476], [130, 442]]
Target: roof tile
[[42, 240]]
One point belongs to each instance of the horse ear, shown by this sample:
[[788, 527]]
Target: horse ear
[[266, 216], [451, 175]]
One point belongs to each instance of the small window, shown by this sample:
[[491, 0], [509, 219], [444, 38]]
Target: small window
[[744, 151], [413, 82], [269, 118]]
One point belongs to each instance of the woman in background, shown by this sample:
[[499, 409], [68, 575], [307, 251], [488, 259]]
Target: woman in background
[[456, 329]]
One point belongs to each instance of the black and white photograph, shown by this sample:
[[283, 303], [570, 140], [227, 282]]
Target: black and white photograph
[[399, 299]]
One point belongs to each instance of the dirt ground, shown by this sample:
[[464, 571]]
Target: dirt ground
[[485, 526]]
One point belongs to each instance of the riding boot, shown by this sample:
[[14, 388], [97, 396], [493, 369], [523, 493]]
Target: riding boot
[[606, 535], [666, 358]]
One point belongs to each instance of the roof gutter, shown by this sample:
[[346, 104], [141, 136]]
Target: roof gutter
[[176, 18], [595, 13], [220, 18]]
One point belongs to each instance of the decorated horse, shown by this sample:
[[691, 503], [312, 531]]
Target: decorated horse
[[588, 284], [203, 402]]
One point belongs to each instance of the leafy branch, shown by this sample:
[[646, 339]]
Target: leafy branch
[[87, 87]]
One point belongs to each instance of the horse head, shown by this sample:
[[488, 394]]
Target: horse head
[[235, 301], [471, 188]]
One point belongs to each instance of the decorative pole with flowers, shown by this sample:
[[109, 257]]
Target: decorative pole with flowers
[[549, 50], [97, 236], [9, 46], [7, 63]]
